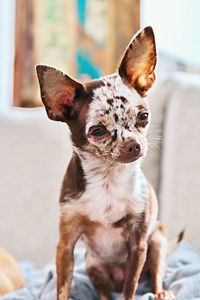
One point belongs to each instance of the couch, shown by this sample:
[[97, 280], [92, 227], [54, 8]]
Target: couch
[[34, 152]]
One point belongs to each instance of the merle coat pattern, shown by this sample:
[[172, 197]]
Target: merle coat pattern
[[106, 199]]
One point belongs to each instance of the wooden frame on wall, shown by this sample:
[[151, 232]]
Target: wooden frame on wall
[[84, 38], [24, 54]]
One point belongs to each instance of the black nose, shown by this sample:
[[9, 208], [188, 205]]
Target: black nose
[[132, 147]]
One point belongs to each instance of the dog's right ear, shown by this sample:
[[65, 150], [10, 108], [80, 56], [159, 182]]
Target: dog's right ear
[[58, 93], [139, 61]]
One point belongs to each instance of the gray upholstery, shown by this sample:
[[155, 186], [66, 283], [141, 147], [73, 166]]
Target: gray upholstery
[[34, 152], [33, 157], [180, 169]]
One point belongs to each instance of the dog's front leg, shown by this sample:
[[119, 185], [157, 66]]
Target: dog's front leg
[[158, 247], [70, 231], [135, 263]]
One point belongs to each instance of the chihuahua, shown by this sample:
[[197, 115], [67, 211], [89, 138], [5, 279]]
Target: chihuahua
[[105, 198]]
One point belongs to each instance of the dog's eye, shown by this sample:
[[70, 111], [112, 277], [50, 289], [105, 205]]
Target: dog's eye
[[98, 132], [142, 119], [143, 116]]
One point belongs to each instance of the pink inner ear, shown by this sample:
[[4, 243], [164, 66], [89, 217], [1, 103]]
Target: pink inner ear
[[63, 97]]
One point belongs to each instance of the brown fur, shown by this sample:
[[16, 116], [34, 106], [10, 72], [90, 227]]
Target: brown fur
[[74, 181], [70, 231], [124, 242], [134, 70]]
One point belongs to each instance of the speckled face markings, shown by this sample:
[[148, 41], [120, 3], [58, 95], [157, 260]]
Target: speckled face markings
[[116, 107]]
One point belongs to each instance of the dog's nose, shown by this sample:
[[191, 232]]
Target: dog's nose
[[132, 147]]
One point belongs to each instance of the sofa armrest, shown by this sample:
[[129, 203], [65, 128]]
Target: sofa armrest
[[180, 167], [33, 156]]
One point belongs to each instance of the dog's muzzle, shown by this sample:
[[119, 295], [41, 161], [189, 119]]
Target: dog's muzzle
[[129, 151]]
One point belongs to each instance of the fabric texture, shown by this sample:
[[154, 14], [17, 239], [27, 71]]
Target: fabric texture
[[182, 278], [180, 168]]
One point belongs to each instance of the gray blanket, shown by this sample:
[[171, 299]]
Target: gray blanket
[[182, 278]]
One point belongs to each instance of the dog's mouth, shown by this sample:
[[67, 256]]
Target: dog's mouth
[[128, 159], [123, 155], [124, 159]]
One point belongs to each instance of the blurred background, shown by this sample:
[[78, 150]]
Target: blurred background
[[85, 39]]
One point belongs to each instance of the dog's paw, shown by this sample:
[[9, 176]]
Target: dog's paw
[[164, 295]]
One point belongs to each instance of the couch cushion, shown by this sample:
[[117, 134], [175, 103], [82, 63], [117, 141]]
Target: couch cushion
[[157, 100], [33, 155], [180, 171]]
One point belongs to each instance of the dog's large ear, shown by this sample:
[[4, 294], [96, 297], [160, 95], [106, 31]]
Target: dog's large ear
[[58, 93], [139, 61]]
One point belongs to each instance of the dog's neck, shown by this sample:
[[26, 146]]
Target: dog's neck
[[126, 178], [94, 165], [111, 188]]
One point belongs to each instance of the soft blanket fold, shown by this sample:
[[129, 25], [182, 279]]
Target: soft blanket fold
[[182, 278]]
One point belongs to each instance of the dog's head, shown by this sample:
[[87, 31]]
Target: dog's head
[[107, 117]]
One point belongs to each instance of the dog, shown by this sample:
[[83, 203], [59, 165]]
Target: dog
[[11, 277], [105, 198]]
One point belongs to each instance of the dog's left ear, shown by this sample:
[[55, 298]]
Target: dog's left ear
[[139, 61], [59, 93]]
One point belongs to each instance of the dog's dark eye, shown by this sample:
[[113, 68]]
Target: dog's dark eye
[[143, 116], [98, 132], [142, 119]]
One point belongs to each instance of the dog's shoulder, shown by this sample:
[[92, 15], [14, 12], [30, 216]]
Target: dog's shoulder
[[74, 180]]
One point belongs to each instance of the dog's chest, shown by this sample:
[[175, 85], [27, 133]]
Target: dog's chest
[[107, 243], [110, 194], [106, 196], [106, 204]]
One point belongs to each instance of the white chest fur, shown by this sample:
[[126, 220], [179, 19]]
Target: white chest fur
[[111, 191]]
